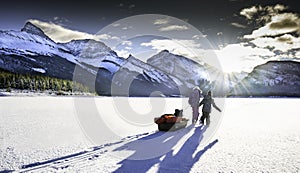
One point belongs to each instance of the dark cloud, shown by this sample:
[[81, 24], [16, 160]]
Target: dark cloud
[[91, 16], [285, 23], [285, 39], [262, 14]]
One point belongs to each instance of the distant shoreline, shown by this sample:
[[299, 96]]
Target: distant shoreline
[[28, 93]]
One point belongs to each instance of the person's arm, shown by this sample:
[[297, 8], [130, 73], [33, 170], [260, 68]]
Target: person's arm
[[201, 103], [215, 106]]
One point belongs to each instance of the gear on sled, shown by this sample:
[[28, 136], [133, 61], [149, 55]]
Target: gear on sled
[[171, 122]]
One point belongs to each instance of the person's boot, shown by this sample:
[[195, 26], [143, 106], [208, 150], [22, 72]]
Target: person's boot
[[202, 120], [194, 121]]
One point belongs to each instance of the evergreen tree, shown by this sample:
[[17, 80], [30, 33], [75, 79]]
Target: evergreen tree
[[10, 80], [8, 88]]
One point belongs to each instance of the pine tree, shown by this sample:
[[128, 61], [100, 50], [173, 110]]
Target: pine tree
[[21, 84], [8, 89], [25, 81]]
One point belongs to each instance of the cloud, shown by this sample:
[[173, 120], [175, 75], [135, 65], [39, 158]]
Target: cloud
[[161, 21], [238, 57], [122, 53], [104, 37], [233, 57], [297, 55], [186, 48], [128, 43], [262, 14], [249, 12], [283, 43], [285, 21], [274, 39], [197, 37], [286, 39], [60, 21], [61, 34], [237, 25], [280, 24], [174, 28], [276, 32]]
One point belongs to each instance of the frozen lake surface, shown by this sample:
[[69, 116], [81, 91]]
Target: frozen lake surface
[[105, 134]]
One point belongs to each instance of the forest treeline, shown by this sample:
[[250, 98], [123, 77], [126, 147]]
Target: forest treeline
[[10, 81]]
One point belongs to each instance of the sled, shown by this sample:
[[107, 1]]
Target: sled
[[170, 122]]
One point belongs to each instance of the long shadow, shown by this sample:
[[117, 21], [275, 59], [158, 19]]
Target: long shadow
[[183, 160], [148, 150]]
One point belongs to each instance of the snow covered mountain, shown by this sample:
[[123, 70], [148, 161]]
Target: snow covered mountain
[[190, 72], [179, 66], [133, 77], [96, 65], [31, 51], [275, 78]]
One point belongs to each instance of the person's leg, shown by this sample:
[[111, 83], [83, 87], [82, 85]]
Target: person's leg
[[202, 118], [208, 119], [205, 116], [195, 114]]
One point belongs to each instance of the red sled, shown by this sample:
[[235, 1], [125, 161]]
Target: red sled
[[171, 122]]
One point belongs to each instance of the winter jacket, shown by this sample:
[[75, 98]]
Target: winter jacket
[[207, 102], [194, 98]]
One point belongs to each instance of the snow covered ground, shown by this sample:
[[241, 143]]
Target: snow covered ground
[[104, 134]]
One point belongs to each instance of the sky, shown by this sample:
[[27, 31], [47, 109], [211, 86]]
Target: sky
[[236, 34]]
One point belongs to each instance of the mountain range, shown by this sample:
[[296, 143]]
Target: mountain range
[[275, 78], [92, 63]]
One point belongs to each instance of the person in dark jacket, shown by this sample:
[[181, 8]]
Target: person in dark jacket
[[206, 109]]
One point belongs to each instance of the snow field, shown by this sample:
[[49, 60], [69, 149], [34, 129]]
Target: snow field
[[48, 134]]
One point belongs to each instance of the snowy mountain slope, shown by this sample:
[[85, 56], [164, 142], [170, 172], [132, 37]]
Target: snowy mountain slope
[[275, 78], [191, 72], [83, 47], [102, 70], [92, 63], [28, 43], [128, 76], [183, 86], [179, 66], [32, 29], [30, 49]]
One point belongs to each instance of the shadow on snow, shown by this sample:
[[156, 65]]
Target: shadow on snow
[[65, 161], [157, 149], [149, 150]]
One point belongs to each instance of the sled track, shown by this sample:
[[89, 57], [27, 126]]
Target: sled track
[[69, 160]]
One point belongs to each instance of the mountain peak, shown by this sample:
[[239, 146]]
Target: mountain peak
[[32, 29], [130, 57], [164, 52]]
